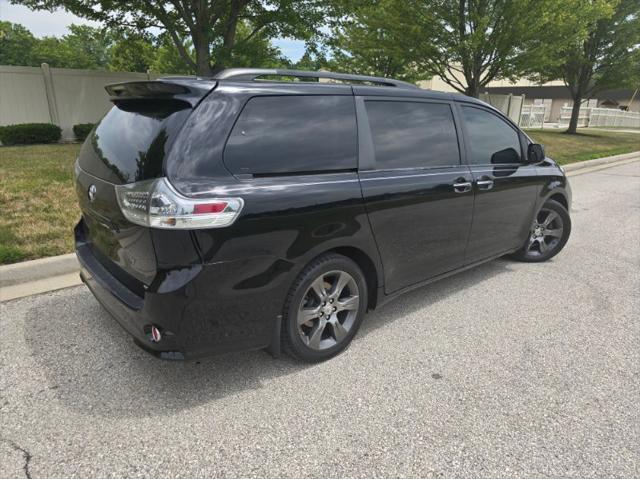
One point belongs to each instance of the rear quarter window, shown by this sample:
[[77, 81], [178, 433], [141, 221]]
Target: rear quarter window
[[290, 134]]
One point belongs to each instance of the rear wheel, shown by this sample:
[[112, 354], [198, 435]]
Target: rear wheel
[[549, 233], [324, 308]]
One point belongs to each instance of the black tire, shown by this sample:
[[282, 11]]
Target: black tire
[[540, 247], [319, 339]]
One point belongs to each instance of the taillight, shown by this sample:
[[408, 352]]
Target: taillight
[[157, 204]]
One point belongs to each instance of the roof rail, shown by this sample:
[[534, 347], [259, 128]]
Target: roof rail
[[251, 74]]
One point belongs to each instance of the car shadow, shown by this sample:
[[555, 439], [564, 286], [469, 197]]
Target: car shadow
[[94, 368]]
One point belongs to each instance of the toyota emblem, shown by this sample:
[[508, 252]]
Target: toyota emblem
[[92, 192]]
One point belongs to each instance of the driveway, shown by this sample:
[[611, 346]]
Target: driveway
[[507, 370]]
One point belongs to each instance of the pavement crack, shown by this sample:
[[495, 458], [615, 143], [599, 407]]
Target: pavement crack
[[27, 455]]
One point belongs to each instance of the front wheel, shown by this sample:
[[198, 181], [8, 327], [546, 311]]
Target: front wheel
[[549, 233], [324, 308]]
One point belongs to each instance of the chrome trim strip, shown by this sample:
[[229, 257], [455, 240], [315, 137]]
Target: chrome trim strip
[[288, 185]]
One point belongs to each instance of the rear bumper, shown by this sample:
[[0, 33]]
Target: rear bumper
[[126, 307], [200, 309], [131, 322]]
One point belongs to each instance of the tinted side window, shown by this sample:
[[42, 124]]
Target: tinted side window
[[412, 134], [491, 139], [284, 134]]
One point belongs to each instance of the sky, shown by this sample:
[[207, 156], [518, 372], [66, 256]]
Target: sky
[[43, 23]]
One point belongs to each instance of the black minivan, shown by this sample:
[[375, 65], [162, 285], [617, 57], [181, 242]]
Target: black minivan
[[250, 211]]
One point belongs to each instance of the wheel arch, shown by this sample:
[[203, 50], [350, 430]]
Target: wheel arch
[[560, 198], [368, 267], [557, 188]]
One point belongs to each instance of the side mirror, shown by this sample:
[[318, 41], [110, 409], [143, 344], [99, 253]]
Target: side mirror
[[535, 153]]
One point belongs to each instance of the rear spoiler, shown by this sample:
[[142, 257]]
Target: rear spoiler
[[190, 90]]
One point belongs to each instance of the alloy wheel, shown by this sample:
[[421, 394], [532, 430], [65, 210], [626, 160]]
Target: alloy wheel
[[328, 310], [546, 233]]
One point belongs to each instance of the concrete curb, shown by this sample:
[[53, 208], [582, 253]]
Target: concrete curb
[[601, 161], [38, 276], [49, 274], [38, 269], [38, 286]]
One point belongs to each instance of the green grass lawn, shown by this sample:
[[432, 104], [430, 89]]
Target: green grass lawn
[[39, 203], [585, 145]]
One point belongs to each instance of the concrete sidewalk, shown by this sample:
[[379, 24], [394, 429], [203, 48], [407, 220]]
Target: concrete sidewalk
[[49, 274]]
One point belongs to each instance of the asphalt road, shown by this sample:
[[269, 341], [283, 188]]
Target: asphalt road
[[507, 370]]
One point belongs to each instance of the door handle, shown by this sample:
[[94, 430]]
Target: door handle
[[484, 184], [462, 187]]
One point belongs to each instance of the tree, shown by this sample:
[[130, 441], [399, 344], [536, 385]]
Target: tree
[[53, 51], [257, 51], [90, 42], [132, 52], [608, 56], [210, 26], [16, 44], [313, 59], [361, 43], [468, 43], [84, 47], [169, 60]]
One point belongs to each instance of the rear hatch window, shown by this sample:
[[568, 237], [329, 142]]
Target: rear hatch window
[[132, 140]]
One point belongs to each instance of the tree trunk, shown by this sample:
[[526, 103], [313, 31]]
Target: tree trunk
[[473, 89], [575, 113], [203, 59], [223, 58]]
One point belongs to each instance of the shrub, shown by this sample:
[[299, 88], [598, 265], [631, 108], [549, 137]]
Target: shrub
[[29, 134], [82, 130]]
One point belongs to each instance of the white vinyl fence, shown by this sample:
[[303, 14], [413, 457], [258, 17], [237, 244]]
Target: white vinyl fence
[[61, 96], [510, 105], [532, 116], [526, 116], [602, 117]]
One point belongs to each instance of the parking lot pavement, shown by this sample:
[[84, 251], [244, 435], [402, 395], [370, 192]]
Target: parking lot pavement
[[507, 370]]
